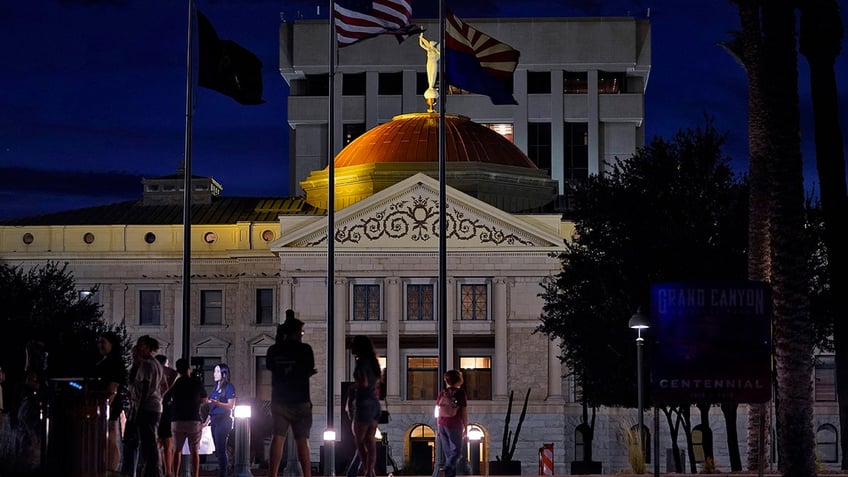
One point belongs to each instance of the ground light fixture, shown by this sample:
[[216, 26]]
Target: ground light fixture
[[242, 413]]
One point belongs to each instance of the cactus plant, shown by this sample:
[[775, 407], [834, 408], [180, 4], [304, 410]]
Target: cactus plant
[[509, 439]]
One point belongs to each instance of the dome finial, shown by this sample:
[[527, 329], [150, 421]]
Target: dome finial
[[432, 49]]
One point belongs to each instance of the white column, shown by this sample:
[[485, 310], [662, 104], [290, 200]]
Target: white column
[[500, 315], [593, 122], [453, 315], [286, 297], [557, 125], [342, 304], [393, 316], [554, 371]]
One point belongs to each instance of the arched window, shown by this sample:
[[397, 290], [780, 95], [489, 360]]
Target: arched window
[[827, 448], [646, 440], [581, 439]]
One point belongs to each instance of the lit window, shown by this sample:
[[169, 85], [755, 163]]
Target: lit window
[[611, 83], [575, 82], [366, 302], [477, 375], [422, 377], [211, 307], [210, 237], [150, 308], [504, 129]]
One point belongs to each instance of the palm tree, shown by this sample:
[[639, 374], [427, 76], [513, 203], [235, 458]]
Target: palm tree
[[821, 36], [793, 336], [746, 47]]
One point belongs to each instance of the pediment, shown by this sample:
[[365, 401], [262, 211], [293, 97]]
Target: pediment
[[406, 216]]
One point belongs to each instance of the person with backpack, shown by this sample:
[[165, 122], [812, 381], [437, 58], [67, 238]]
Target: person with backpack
[[453, 419]]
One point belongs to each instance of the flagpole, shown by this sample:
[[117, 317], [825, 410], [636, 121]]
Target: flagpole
[[189, 110], [443, 296], [329, 439]]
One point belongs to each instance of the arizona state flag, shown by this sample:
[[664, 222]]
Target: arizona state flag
[[477, 62], [227, 67]]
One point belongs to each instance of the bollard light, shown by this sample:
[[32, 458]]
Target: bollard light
[[242, 413]]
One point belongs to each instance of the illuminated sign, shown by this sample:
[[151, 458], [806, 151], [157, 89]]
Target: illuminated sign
[[713, 342]]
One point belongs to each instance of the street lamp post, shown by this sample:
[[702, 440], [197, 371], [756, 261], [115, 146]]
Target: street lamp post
[[639, 322]]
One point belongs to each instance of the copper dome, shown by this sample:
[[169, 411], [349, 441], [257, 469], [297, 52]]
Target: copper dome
[[413, 138]]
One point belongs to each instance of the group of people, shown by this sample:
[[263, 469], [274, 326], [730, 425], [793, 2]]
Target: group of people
[[162, 408]]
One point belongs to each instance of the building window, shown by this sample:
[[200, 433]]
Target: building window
[[91, 295], [210, 237], [825, 385], [263, 380], [27, 238], [575, 82], [353, 84], [352, 131], [611, 83], [477, 375], [504, 129], [580, 434], [576, 154], [698, 444], [422, 378], [211, 307], [204, 370], [150, 308], [88, 238], [267, 235], [390, 83], [538, 82], [366, 302], [473, 302], [539, 145], [313, 85], [264, 306], [419, 302], [827, 449], [149, 237]]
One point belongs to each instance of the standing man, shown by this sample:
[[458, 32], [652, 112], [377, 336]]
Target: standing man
[[146, 401], [186, 425], [291, 363]]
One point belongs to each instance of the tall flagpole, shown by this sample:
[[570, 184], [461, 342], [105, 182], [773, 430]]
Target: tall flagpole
[[189, 110], [443, 287], [330, 438]]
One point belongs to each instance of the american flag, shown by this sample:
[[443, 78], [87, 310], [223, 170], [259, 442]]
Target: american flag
[[357, 20]]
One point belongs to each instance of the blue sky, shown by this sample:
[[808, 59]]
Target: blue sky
[[93, 91]]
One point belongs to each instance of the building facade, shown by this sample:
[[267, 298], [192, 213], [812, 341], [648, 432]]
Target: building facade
[[580, 86], [580, 89]]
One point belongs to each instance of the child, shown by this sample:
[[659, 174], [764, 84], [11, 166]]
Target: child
[[453, 419]]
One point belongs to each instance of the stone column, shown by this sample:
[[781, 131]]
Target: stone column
[[393, 316], [500, 315]]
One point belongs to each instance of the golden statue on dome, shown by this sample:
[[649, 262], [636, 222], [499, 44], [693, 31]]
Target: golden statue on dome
[[432, 49]]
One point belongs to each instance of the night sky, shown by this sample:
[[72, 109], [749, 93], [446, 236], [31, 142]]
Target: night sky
[[92, 92]]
